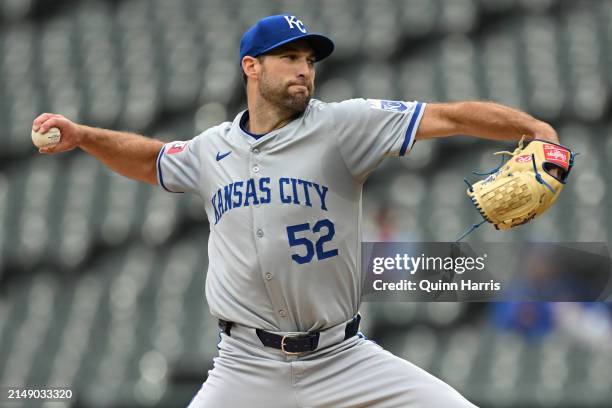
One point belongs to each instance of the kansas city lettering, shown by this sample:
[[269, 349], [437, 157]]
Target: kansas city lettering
[[260, 191]]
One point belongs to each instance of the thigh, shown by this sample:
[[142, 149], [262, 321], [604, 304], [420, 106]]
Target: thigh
[[366, 375], [240, 378]]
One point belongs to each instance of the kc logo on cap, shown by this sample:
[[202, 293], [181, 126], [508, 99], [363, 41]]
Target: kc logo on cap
[[291, 20], [275, 31]]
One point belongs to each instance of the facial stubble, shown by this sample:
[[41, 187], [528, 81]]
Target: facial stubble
[[278, 94]]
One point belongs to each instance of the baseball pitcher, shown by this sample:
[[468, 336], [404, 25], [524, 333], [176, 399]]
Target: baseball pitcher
[[282, 185]]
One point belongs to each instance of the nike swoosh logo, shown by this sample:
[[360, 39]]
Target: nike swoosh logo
[[222, 156]]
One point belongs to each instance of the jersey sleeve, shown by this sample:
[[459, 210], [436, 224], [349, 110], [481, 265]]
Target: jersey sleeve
[[369, 130], [178, 166]]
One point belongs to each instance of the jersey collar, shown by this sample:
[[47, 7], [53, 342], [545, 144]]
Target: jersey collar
[[243, 121], [255, 139]]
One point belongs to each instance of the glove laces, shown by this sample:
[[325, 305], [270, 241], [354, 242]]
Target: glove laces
[[502, 153], [521, 146]]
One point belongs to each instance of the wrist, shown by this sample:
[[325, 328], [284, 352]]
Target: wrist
[[547, 133], [80, 135]]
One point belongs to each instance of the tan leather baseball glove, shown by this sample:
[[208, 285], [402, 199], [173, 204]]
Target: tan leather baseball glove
[[525, 186]]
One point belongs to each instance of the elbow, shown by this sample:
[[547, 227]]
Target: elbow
[[442, 120], [148, 171], [460, 117], [151, 175], [152, 169], [457, 118]]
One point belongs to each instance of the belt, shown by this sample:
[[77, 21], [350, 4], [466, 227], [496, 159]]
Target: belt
[[295, 343]]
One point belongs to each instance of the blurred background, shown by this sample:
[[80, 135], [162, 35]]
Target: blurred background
[[101, 278]]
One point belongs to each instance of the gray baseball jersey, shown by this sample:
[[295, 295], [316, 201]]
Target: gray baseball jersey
[[285, 209]]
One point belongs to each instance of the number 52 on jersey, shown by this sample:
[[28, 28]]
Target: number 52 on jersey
[[305, 248]]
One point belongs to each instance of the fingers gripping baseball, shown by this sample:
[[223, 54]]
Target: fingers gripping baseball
[[69, 131]]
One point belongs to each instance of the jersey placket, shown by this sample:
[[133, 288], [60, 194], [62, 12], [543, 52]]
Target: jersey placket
[[257, 170]]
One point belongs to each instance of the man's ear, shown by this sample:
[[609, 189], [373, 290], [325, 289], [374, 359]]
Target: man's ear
[[250, 66]]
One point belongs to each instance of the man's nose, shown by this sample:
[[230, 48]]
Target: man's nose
[[304, 69]]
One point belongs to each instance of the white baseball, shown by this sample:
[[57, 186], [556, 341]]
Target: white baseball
[[49, 139]]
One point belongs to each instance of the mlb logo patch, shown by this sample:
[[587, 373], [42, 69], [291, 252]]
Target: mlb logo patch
[[391, 106], [557, 155], [176, 147]]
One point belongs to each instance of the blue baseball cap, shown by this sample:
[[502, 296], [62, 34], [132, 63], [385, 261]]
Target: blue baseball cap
[[273, 31]]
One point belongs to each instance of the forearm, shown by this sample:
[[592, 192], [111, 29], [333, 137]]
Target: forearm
[[493, 121], [128, 154], [483, 119]]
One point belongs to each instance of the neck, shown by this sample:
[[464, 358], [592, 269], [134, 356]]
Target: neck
[[265, 117]]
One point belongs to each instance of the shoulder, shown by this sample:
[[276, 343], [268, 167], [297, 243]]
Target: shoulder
[[322, 109], [218, 130], [317, 105], [212, 133]]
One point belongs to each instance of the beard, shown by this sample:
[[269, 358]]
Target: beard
[[278, 94]]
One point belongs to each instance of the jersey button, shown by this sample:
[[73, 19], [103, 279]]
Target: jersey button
[[268, 276], [260, 233], [255, 169], [282, 313], [255, 150]]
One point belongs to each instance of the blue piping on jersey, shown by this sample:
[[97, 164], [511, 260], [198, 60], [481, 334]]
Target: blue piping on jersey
[[408, 137], [159, 171]]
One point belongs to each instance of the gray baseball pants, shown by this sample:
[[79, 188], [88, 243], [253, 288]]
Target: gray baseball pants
[[352, 373]]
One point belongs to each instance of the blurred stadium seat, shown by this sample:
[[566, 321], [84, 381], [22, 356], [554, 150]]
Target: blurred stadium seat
[[101, 279]]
